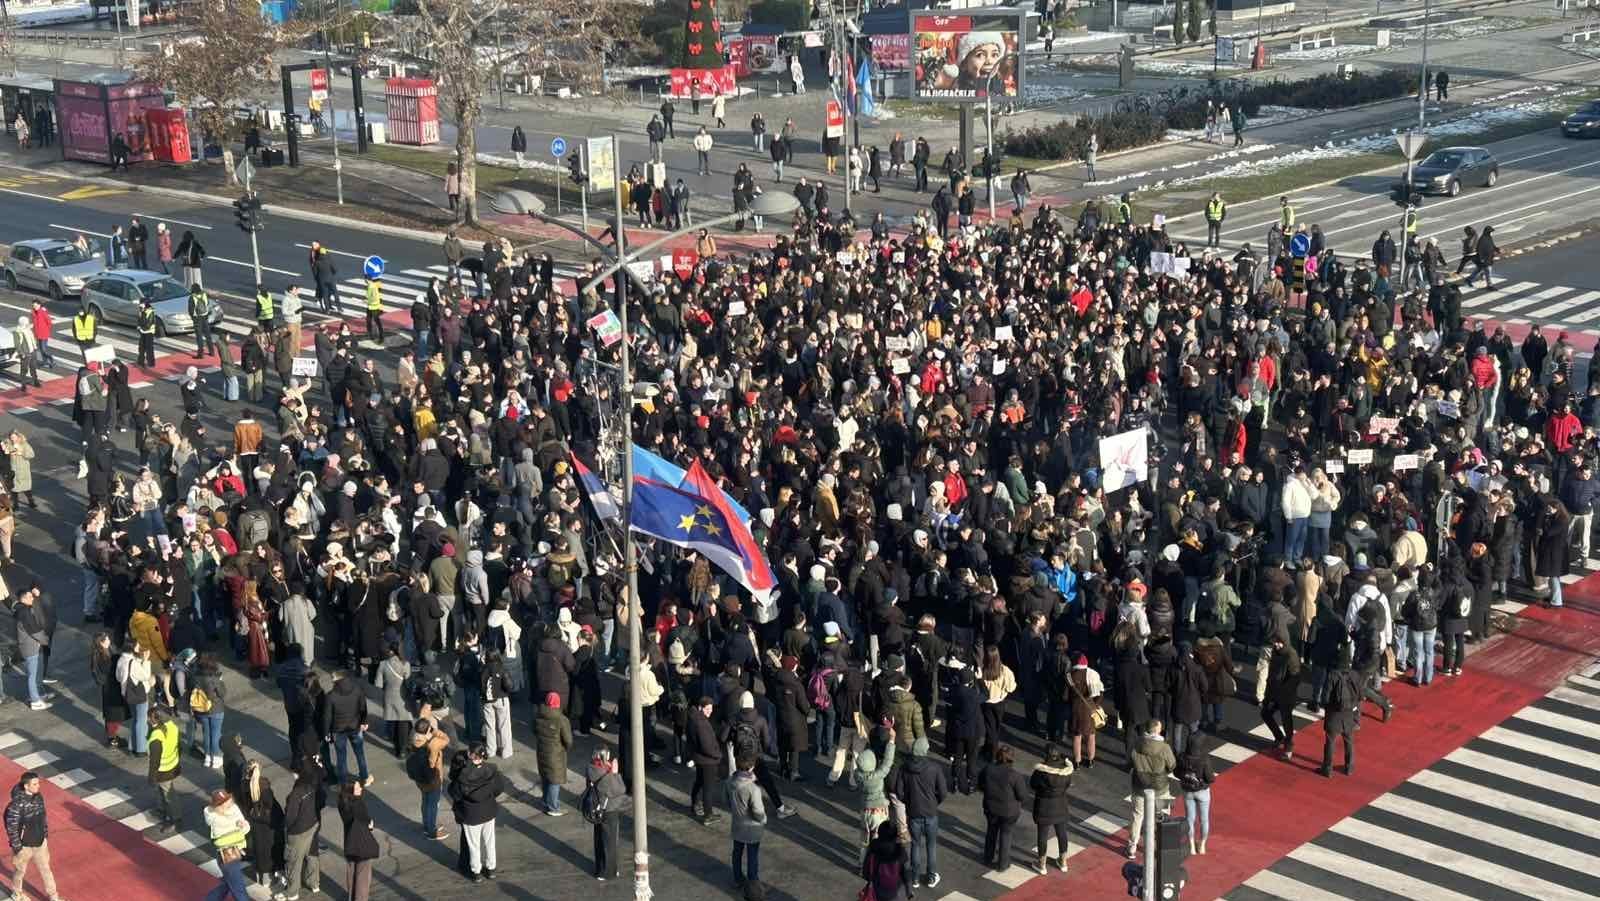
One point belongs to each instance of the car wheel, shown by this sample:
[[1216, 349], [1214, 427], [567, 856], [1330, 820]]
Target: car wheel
[[1494, 176], [11, 280], [1455, 188], [55, 292], [161, 328], [99, 318]]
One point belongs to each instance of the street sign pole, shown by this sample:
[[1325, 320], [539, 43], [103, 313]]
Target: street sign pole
[[558, 149], [1411, 144], [247, 173], [583, 186]]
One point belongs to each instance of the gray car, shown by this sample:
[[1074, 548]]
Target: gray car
[[1448, 170], [53, 266], [116, 295]]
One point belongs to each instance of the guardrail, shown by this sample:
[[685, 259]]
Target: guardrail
[[1582, 34], [1315, 40]]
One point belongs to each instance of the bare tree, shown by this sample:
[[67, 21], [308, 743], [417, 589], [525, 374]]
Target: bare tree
[[221, 65], [473, 44], [8, 48]]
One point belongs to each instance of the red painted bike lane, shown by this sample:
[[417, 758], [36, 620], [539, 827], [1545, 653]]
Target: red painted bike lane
[[1264, 808], [95, 857]]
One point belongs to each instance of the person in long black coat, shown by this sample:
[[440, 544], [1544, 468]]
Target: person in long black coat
[[1050, 783], [1480, 572], [555, 666], [1453, 587], [1132, 693], [1551, 529], [789, 695], [1004, 792], [964, 732]]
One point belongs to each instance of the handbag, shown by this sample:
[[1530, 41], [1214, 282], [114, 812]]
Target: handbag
[[867, 893], [230, 854]]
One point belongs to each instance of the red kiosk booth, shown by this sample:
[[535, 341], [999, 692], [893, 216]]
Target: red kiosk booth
[[169, 135], [91, 113], [413, 111]]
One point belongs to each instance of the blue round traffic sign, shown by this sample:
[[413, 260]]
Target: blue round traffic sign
[[372, 267], [558, 147], [1300, 245]]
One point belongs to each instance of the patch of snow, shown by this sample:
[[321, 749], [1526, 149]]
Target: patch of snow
[[1339, 51], [1184, 67], [1049, 93], [1489, 25], [1118, 179]]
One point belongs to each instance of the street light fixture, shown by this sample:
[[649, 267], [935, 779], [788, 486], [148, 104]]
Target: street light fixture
[[775, 204]]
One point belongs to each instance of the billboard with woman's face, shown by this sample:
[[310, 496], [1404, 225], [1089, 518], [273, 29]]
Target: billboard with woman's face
[[968, 57]]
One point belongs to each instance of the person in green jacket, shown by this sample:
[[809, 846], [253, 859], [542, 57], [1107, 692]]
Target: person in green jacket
[[874, 795]]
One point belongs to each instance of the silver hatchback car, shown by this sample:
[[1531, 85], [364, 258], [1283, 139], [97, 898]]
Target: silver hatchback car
[[53, 266], [116, 295]]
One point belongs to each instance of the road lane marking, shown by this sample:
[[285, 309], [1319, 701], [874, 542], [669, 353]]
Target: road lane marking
[[172, 220], [70, 228], [33, 195], [264, 268], [91, 191]]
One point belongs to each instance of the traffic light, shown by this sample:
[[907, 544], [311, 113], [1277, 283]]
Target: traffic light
[[575, 168], [247, 213], [1404, 197]]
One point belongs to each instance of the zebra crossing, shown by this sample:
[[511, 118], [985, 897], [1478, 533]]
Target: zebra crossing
[[1512, 814], [1525, 301]]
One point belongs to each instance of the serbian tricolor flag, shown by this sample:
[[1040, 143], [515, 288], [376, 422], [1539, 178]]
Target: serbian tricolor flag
[[605, 506], [697, 515]]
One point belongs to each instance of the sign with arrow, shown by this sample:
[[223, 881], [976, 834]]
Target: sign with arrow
[[1299, 245], [372, 267], [558, 148]]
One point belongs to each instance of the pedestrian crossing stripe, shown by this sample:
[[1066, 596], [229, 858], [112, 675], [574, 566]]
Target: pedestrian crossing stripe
[[1509, 815], [1533, 302]]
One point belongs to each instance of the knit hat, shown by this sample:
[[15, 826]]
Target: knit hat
[[830, 629], [919, 748], [1081, 663], [551, 699], [747, 701]]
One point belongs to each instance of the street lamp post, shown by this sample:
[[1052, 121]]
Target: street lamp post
[[765, 205], [1422, 89], [988, 152]]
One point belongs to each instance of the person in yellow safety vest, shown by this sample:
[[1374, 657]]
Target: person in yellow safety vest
[[166, 761], [147, 334], [230, 833], [84, 328], [264, 311], [375, 308], [1216, 211], [200, 314], [1285, 214], [1124, 211]]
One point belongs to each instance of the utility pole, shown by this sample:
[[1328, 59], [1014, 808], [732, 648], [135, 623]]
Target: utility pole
[[630, 563], [1422, 89], [247, 173], [333, 128], [836, 29]]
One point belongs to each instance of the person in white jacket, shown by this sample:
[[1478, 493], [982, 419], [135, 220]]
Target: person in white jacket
[[702, 149], [1297, 492]]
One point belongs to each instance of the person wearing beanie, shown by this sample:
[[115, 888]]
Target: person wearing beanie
[[552, 733], [747, 733], [1050, 781], [922, 785], [788, 693], [874, 775]]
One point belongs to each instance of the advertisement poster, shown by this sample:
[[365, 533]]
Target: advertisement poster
[[84, 134], [761, 55], [891, 52], [709, 82], [91, 114], [602, 162], [966, 57]]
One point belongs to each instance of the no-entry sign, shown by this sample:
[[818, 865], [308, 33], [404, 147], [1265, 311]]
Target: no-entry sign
[[319, 84]]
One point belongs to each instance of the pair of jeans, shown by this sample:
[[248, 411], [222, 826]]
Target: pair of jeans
[[213, 731], [1555, 591], [1422, 653], [91, 593], [1402, 646], [552, 796], [31, 663], [822, 731], [430, 811], [141, 728], [747, 861], [1197, 806], [355, 740], [233, 884], [1294, 544], [924, 845]]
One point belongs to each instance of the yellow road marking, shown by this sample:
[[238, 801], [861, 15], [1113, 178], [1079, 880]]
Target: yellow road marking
[[88, 191]]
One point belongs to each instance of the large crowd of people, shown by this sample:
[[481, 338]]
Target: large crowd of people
[[1334, 485]]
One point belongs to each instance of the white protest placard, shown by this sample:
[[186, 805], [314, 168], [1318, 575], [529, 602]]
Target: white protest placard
[[100, 353], [845, 258], [999, 367], [1003, 333], [737, 308], [1159, 220], [1450, 408], [306, 366], [897, 343], [1382, 425], [1180, 265], [1362, 455], [900, 366], [1161, 263], [1124, 459], [898, 256], [1333, 467], [643, 270], [1403, 462]]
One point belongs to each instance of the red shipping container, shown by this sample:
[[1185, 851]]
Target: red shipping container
[[413, 111]]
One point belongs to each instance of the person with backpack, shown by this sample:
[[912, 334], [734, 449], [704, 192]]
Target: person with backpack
[[749, 822], [425, 767], [1421, 615], [825, 720], [1195, 776], [1343, 713], [475, 793], [206, 699], [495, 698], [887, 867], [848, 700], [601, 805]]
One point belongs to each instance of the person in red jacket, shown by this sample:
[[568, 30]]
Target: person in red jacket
[[1562, 430], [43, 325]]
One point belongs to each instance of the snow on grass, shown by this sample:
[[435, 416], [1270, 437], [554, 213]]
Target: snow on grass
[[1050, 93], [1475, 28], [1323, 54], [1475, 123]]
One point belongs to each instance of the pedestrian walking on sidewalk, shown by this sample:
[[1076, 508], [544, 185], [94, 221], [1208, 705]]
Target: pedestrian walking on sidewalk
[[21, 125], [28, 833], [519, 144], [452, 186], [1237, 115], [758, 131], [1090, 152], [702, 149], [719, 110], [1441, 85]]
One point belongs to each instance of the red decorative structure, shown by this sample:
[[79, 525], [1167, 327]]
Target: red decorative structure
[[92, 113], [413, 111], [169, 135], [703, 70]]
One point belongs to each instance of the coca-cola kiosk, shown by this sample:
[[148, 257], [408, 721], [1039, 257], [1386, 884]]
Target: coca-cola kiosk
[[91, 113], [169, 135]]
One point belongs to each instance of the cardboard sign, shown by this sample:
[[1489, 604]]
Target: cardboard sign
[[737, 308], [1333, 467], [896, 343], [306, 366], [1403, 462], [898, 256], [845, 258], [644, 270], [1003, 333], [1363, 455], [1180, 265], [835, 127], [1450, 409], [999, 367], [1161, 263], [607, 326], [100, 353], [1382, 425], [683, 262], [899, 366]]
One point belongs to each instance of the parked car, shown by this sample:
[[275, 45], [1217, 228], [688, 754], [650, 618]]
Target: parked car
[[53, 266], [1584, 121], [1450, 169], [116, 295]]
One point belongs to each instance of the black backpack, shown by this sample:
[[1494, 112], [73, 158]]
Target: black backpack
[[418, 769], [593, 804]]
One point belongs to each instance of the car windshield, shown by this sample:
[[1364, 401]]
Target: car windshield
[[1592, 108], [162, 289], [1445, 159], [65, 255]]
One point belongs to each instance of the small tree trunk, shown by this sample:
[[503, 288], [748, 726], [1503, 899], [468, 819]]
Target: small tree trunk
[[467, 151]]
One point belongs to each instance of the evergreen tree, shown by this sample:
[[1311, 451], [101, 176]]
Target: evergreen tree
[[1178, 33], [702, 37], [1194, 19]]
